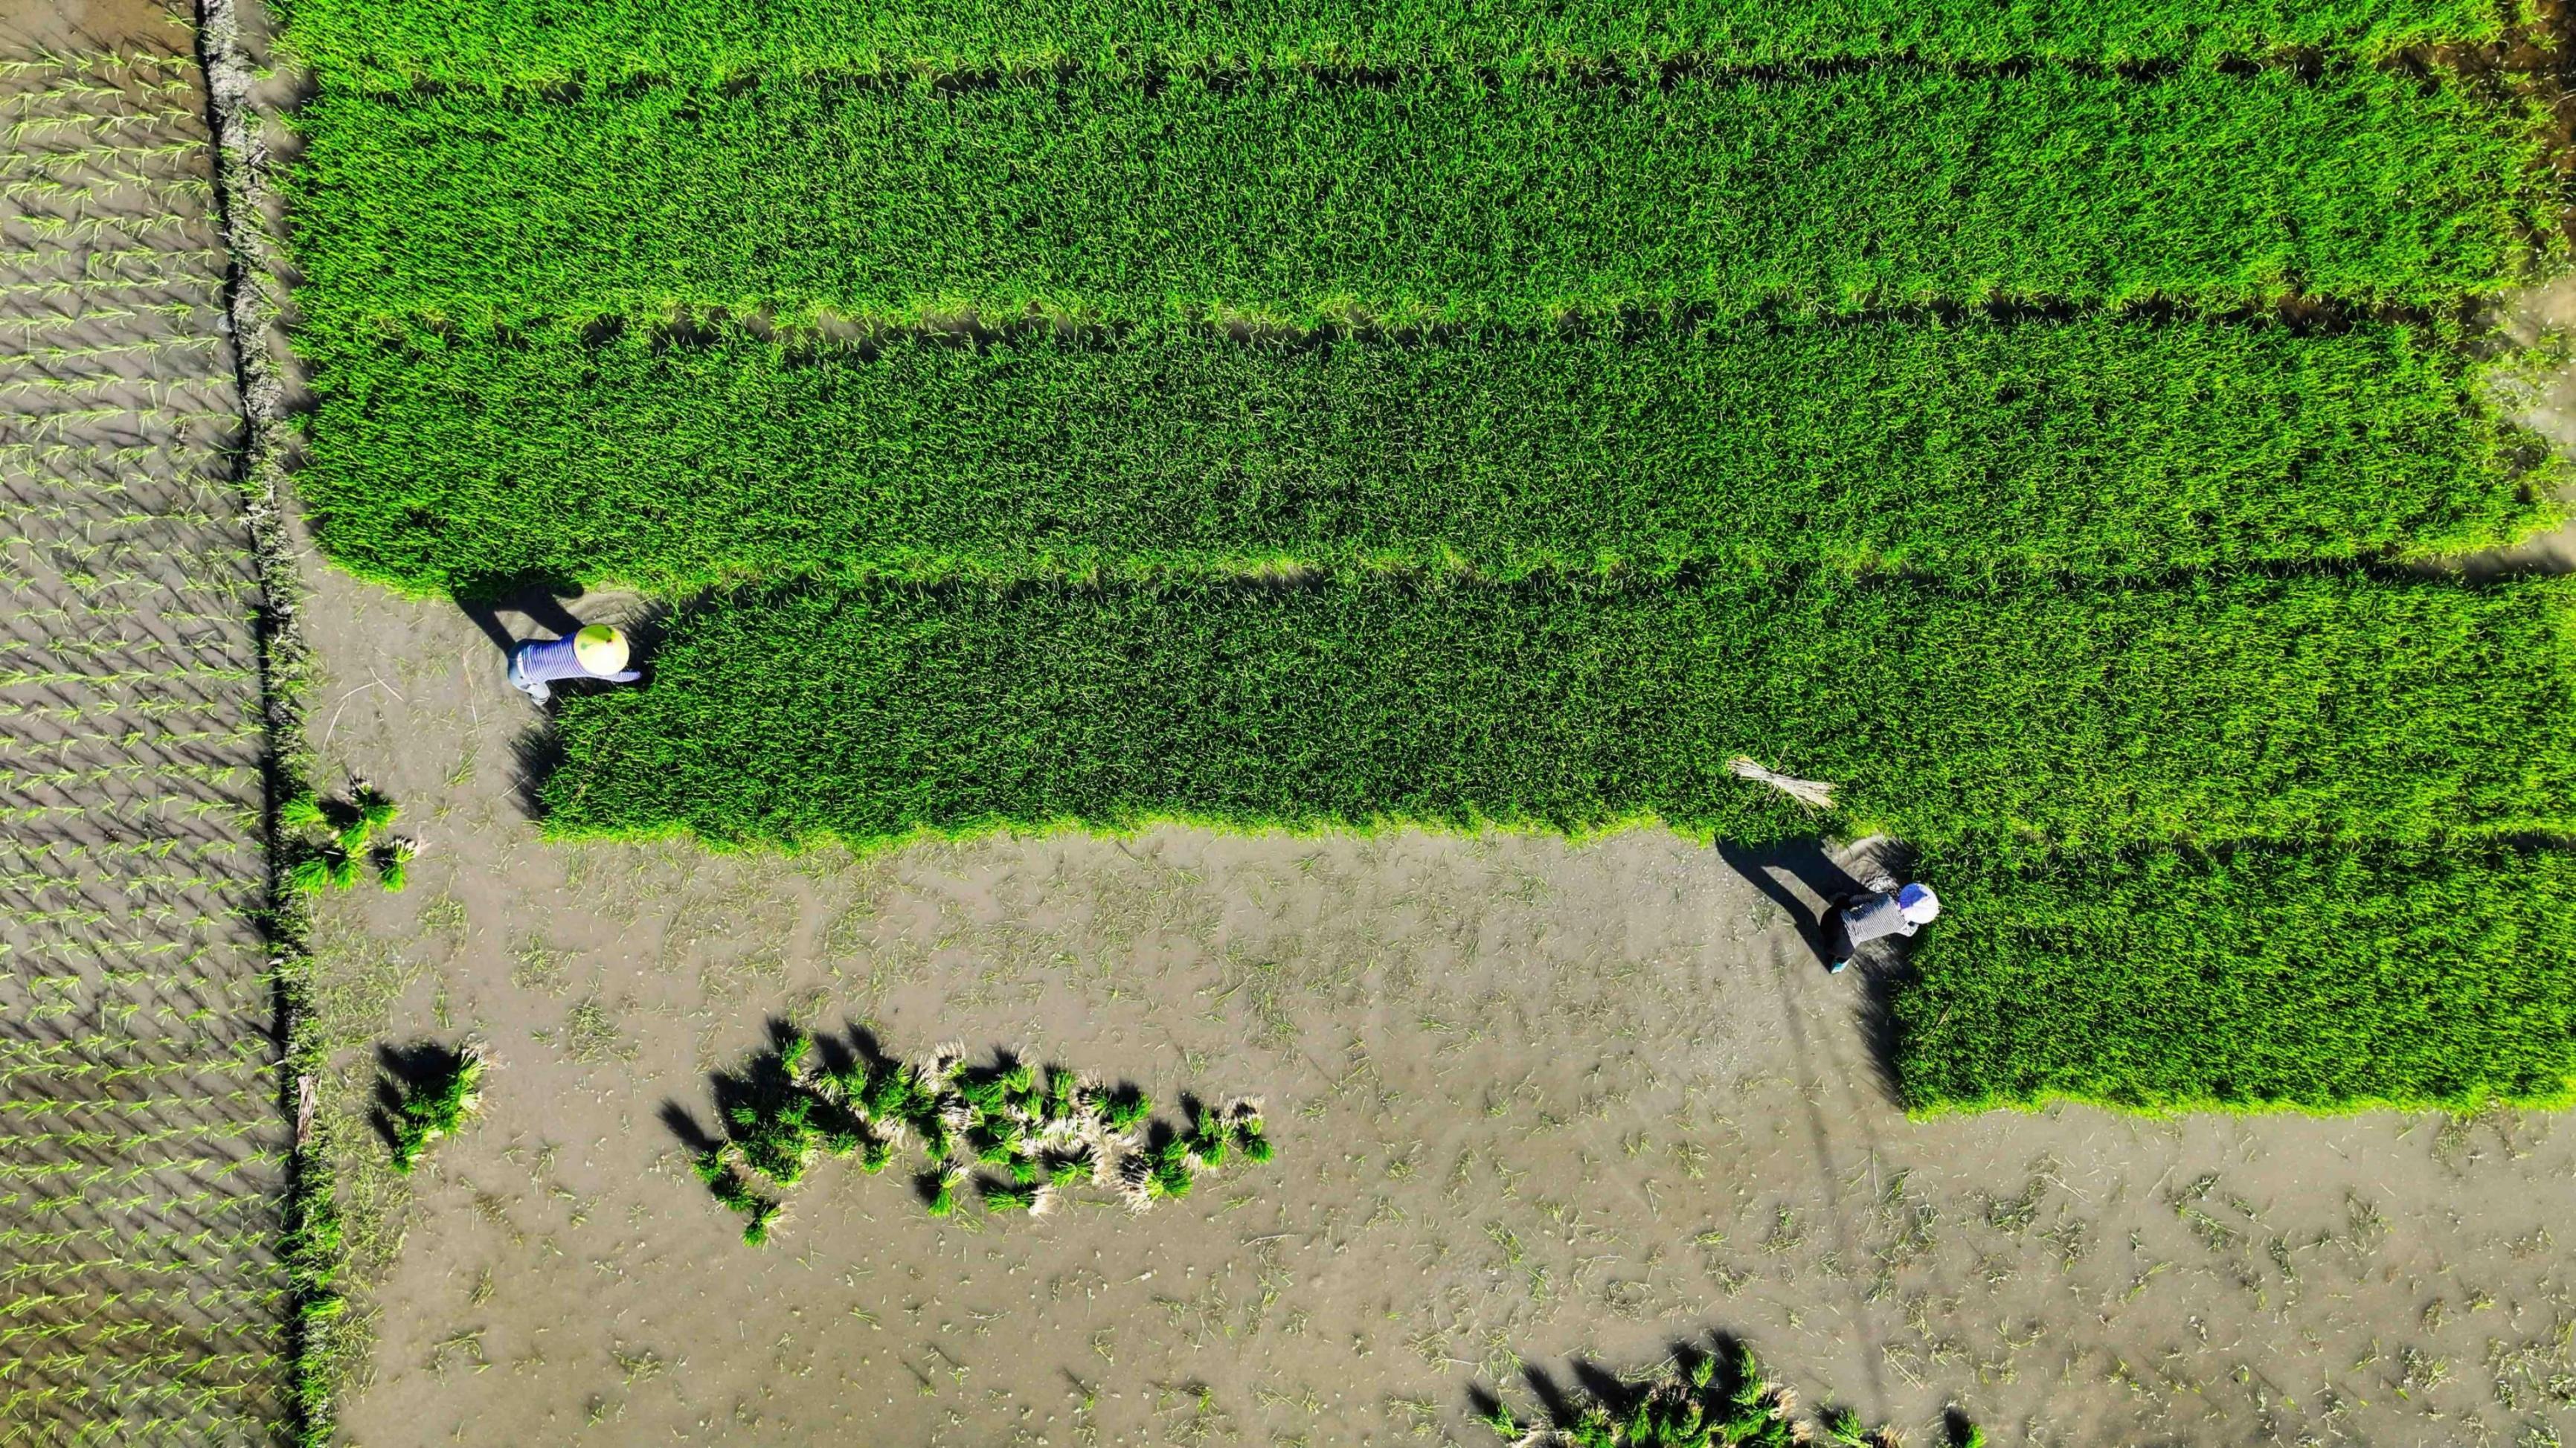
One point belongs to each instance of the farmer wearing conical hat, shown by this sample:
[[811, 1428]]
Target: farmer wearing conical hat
[[597, 653], [1876, 917]]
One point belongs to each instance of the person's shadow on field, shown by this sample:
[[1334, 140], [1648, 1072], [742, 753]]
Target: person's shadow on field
[[1810, 865], [536, 602]]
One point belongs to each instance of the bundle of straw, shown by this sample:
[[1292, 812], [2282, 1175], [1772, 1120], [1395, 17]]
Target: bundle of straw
[[1813, 793]]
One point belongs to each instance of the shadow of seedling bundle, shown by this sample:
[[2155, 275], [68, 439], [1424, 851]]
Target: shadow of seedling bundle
[[1701, 1397], [1019, 1137], [326, 840], [426, 1092]]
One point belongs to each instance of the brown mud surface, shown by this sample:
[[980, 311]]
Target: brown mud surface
[[64, 27], [1533, 1102], [140, 1140]]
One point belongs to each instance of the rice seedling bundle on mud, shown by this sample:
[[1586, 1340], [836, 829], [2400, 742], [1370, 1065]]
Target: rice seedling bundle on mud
[[1010, 1136]]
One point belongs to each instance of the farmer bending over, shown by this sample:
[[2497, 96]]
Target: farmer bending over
[[597, 653], [1875, 917]]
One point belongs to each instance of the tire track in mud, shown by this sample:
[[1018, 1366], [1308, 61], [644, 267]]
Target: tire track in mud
[[142, 1154]]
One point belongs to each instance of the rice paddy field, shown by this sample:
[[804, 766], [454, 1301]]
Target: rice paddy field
[[143, 1154], [1202, 575]]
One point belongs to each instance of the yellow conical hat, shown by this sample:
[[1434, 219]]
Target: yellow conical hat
[[601, 649]]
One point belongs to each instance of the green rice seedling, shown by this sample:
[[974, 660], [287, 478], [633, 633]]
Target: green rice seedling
[[716, 1170], [434, 1107], [1443, 196], [341, 868], [896, 1092], [302, 812], [939, 1190], [1250, 1139], [393, 863], [1844, 1429], [992, 1145], [1122, 1108], [1012, 1196], [1170, 1169], [1063, 1095], [1208, 1141], [366, 814], [310, 874], [777, 1140], [529, 45]]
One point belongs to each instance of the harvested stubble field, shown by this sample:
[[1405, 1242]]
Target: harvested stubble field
[[1017, 423], [142, 1152]]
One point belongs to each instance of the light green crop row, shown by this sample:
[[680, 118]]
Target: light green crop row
[[2098, 446], [2341, 706], [1433, 196], [2314, 978], [503, 43]]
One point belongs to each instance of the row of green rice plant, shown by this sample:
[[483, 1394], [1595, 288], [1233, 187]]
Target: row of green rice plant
[[164, 392], [109, 678], [111, 263], [127, 813], [138, 229], [1021, 1137], [1712, 1396], [76, 197], [2318, 977], [103, 153], [1436, 196], [2315, 706], [544, 43], [130, 738], [141, 771], [2102, 445], [158, 349], [114, 709]]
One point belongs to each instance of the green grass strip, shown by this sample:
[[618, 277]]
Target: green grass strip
[[2097, 446], [2265, 977], [1437, 196], [2346, 706], [535, 43]]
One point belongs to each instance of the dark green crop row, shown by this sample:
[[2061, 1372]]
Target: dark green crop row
[[2098, 446], [2313, 978], [1436, 195], [2296, 708], [535, 43]]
